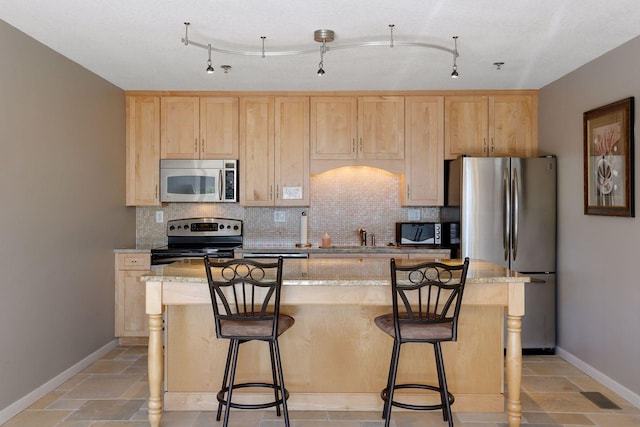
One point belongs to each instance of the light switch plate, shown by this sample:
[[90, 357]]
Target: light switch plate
[[159, 217], [278, 216], [414, 214]]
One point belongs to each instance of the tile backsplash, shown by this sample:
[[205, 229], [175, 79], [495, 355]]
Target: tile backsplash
[[342, 201]]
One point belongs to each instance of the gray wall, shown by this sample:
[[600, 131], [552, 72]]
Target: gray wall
[[599, 289], [62, 183]]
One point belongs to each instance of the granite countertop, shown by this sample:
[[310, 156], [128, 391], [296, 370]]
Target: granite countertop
[[338, 249], [334, 272], [346, 249], [137, 250]]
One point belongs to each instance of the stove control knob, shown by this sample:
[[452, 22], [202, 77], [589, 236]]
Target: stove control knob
[[172, 227], [221, 226], [235, 227]]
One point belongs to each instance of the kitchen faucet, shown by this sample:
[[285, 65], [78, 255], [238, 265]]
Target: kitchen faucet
[[363, 236]]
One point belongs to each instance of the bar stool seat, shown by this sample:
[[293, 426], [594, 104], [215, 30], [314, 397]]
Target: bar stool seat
[[245, 295], [426, 305]]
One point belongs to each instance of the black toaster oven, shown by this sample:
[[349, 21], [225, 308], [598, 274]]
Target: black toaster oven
[[442, 234]]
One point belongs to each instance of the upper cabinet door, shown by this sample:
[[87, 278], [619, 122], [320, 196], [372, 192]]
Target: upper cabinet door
[[466, 126], [333, 127], [180, 124], [292, 151], [424, 159], [513, 125], [381, 127], [218, 128], [143, 150], [256, 151]]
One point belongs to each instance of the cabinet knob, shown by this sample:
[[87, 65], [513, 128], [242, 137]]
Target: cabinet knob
[[195, 145], [202, 146]]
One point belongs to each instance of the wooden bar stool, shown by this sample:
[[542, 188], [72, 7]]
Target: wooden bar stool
[[245, 295], [426, 305]]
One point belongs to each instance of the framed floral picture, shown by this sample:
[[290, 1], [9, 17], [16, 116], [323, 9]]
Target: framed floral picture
[[608, 159]]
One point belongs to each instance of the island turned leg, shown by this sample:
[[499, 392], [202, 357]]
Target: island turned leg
[[155, 359], [155, 369], [514, 370]]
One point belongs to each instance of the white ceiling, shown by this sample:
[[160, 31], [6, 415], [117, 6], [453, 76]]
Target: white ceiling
[[136, 44]]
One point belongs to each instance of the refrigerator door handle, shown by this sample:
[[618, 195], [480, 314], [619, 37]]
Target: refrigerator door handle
[[516, 214], [506, 214]]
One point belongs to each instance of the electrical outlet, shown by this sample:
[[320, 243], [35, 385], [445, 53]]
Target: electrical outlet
[[414, 214], [278, 216], [159, 217]]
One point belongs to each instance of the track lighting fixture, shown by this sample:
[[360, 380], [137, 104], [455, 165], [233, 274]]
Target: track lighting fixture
[[324, 37], [454, 73], [210, 69]]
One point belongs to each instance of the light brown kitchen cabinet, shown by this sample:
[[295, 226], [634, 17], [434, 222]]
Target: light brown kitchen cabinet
[[513, 125], [274, 151], [466, 126], [130, 315], [333, 127], [381, 127], [492, 125], [367, 127], [292, 151], [423, 180], [199, 127], [143, 150]]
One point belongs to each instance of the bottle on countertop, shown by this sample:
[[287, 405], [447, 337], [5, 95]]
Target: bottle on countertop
[[326, 239]]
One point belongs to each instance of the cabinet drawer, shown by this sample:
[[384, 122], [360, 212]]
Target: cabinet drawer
[[133, 261]]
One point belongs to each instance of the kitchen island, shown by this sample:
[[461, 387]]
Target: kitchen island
[[334, 357]]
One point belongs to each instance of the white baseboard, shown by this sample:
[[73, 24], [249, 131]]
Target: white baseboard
[[614, 386], [23, 403]]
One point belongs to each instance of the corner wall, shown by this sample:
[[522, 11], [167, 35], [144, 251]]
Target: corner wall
[[62, 183], [598, 287]]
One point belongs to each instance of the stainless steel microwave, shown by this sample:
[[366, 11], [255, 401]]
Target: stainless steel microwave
[[443, 234], [198, 180]]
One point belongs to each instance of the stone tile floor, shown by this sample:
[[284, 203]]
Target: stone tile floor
[[112, 392]]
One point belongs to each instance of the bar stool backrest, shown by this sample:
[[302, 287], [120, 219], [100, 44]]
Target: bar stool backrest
[[428, 294], [245, 293]]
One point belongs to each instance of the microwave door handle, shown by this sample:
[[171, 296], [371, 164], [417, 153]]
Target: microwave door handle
[[220, 184]]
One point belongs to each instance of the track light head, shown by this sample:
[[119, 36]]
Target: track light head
[[454, 73], [210, 69]]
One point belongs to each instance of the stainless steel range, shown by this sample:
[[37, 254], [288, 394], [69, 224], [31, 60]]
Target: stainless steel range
[[197, 237]]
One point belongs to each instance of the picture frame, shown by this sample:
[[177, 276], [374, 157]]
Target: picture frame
[[609, 159]]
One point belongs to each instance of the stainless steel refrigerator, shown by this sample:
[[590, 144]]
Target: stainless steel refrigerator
[[507, 210]]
